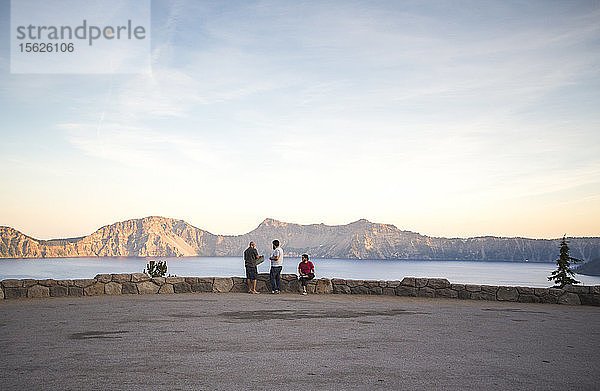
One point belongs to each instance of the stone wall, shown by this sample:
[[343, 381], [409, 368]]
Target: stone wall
[[140, 283]]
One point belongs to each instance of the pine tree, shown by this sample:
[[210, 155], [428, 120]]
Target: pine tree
[[563, 275]]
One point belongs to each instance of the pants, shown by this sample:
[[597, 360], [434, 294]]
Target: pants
[[308, 277], [275, 276]]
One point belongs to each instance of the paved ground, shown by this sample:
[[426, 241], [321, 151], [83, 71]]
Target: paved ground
[[290, 342]]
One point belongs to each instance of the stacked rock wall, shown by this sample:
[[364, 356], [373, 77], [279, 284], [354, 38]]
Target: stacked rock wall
[[140, 283], [442, 288]]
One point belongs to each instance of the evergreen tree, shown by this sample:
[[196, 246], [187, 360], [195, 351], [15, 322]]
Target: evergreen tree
[[563, 275]]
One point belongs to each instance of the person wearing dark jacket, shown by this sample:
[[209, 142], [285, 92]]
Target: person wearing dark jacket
[[250, 260]]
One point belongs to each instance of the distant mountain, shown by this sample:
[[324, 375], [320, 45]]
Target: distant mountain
[[591, 268], [149, 236], [160, 236]]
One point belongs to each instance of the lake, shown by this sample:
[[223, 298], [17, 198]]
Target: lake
[[460, 272]]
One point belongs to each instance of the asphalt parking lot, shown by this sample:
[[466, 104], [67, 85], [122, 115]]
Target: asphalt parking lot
[[286, 342]]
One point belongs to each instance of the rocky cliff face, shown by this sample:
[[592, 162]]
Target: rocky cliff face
[[365, 240], [160, 236], [591, 268], [150, 236]]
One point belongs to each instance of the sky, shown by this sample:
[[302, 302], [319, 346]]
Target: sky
[[454, 119]]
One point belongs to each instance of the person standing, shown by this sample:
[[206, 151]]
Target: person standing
[[276, 266], [306, 269], [250, 260]]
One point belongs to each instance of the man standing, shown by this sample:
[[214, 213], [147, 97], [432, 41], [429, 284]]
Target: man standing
[[276, 266], [250, 260]]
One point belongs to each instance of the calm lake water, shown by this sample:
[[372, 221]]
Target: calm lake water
[[460, 272]]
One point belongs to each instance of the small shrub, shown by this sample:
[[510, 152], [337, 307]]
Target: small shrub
[[156, 269]]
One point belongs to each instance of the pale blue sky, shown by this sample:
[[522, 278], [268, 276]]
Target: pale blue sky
[[446, 118]]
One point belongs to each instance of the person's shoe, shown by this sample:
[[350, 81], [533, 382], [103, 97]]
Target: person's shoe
[[256, 292], [278, 291], [304, 292], [272, 292]]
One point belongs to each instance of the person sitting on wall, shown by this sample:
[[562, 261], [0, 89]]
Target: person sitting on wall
[[306, 269]]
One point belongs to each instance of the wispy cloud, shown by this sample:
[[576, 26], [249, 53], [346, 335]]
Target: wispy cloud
[[383, 109], [142, 148]]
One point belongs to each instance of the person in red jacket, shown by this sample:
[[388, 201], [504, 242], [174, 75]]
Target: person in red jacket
[[306, 270]]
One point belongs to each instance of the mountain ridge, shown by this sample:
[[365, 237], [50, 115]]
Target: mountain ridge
[[156, 236]]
